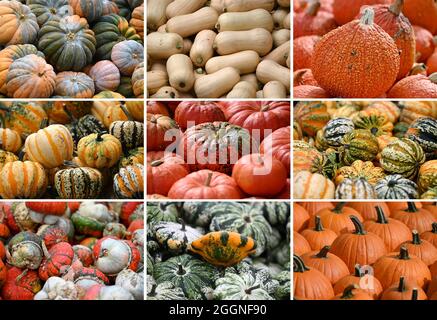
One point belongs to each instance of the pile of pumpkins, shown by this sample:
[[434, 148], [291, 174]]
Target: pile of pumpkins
[[218, 150], [218, 251], [365, 250], [365, 150], [71, 251], [72, 49], [365, 49], [72, 150], [231, 49]]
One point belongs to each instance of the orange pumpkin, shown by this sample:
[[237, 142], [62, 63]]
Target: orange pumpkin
[[278, 145], [353, 293], [157, 107], [303, 49], [421, 248], [304, 77], [422, 13], [403, 290], [99, 150], [368, 209], [300, 217], [318, 237], [157, 127], [19, 24], [300, 244], [418, 86], [308, 92], [10, 140], [136, 109], [363, 278], [424, 44], [313, 21], [415, 218], [346, 10], [431, 236], [313, 208]]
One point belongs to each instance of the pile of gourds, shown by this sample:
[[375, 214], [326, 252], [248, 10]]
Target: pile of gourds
[[72, 49], [365, 150], [221, 48], [72, 150], [71, 251], [365, 250], [365, 49], [218, 251], [218, 150]]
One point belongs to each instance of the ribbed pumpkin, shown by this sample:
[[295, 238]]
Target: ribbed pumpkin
[[404, 290], [431, 236], [300, 244], [360, 169], [396, 187], [345, 11], [89, 9], [110, 30], [132, 157], [355, 188], [278, 145], [105, 75], [126, 55], [318, 237], [338, 64], [303, 49], [85, 126], [374, 121], [311, 116], [50, 146], [22, 180], [137, 20], [412, 110], [68, 43], [157, 127], [362, 278], [175, 237], [130, 133], [424, 132], [360, 246], [64, 112], [358, 145], [309, 185], [46, 10], [55, 260], [336, 129], [418, 86], [425, 45], [402, 156], [420, 248], [5, 157], [30, 77], [415, 218], [78, 183], [99, 150], [10, 140], [308, 160], [313, 21], [387, 108], [422, 13], [21, 284], [19, 24], [74, 85], [127, 6], [9, 55], [136, 109], [129, 182], [188, 113]]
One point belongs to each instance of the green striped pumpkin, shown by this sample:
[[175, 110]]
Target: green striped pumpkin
[[245, 286], [320, 142], [376, 123], [311, 116], [163, 291], [402, 156], [130, 133], [68, 43], [129, 182], [357, 188], [175, 237], [400, 129], [89, 9], [162, 211], [246, 219], [85, 126], [110, 30], [47, 10], [336, 129], [87, 226], [396, 187], [424, 132], [198, 214], [427, 176], [276, 213], [190, 274], [132, 157], [74, 85], [358, 145], [78, 183]]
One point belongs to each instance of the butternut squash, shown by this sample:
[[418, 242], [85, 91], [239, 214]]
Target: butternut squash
[[244, 61], [164, 45], [217, 5], [258, 39], [287, 21], [190, 24], [280, 54], [259, 94], [202, 49], [187, 46], [251, 78], [216, 84], [162, 28], [269, 70], [181, 7], [241, 21], [180, 72], [242, 90], [156, 79], [288, 62], [156, 16], [284, 3], [166, 93], [198, 73], [280, 36], [158, 66], [246, 5], [274, 90], [278, 18]]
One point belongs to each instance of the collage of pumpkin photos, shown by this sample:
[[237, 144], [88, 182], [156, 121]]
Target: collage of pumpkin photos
[[254, 191]]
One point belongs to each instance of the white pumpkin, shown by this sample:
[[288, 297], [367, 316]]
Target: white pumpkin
[[132, 282], [57, 288]]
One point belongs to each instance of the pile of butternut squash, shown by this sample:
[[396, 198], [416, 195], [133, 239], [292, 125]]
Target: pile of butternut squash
[[218, 49]]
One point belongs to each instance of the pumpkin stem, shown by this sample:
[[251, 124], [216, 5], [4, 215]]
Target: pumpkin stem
[[401, 286], [157, 163], [208, 179], [411, 207], [359, 228], [416, 238], [99, 136], [183, 224], [299, 265], [339, 207], [403, 254], [313, 8], [2, 122], [396, 7], [381, 216], [126, 112], [181, 270], [249, 290], [324, 252], [23, 274], [44, 123], [433, 78], [153, 290], [45, 250], [414, 295], [318, 222], [21, 153], [367, 16], [348, 292], [417, 69], [434, 227], [357, 271]]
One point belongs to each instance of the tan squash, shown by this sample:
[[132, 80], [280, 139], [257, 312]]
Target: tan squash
[[202, 49], [284, 3], [287, 21], [166, 93], [158, 66], [162, 28], [269, 70], [156, 79], [251, 78], [280, 54], [258, 39], [182, 7], [279, 16], [242, 90], [274, 90], [241, 21], [245, 5], [187, 46], [180, 72], [164, 45], [190, 24], [216, 84], [244, 61], [280, 36], [156, 16]]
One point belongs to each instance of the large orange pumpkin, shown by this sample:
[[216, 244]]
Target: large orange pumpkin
[[422, 13], [424, 43], [346, 10], [157, 127], [303, 49], [363, 278], [418, 86], [313, 21], [318, 237], [356, 60], [278, 145], [403, 290], [300, 244], [415, 218], [421, 248], [190, 113]]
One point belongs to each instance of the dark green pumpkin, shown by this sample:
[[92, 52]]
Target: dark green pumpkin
[[276, 213], [162, 211], [68, 43], [396, 187], [85, 126], [47, 10], [130, 133], [125, 88], [336, 129], [424, 132], [400, 129], [127, 6], [110, 30], [78, 183], [89, 9], [198, 214], [358, 145]]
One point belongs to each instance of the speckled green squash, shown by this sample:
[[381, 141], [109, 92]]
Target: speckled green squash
[[276, 213], [47, 10], [175, 237], [311, 116], [85, 126], [190, 274], [130, 133], [429, 194], [68, 43], [87, 226], [78, 183], [424, 132], [357, 188], [162, 211], [396, 187], [428, 176], [110, 30], [400, 129], [336, 129], [163, 291], [358, 145], [376, 124], [240, 287], [402, 156], [198, 214]]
